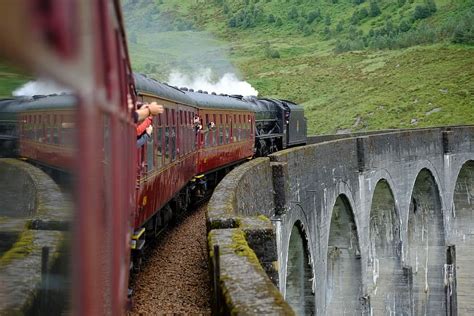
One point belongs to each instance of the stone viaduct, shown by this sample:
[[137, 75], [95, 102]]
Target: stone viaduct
[[376, 224]]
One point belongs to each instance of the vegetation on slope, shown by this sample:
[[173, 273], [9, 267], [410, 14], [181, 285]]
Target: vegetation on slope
[[353, 64]]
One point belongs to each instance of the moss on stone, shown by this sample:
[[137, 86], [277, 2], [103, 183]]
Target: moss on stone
[[241, 247], [20, 249]]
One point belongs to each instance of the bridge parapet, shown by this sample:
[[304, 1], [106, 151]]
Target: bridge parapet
[[244, 270]]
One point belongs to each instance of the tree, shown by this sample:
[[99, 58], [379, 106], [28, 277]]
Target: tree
[[340, 26], [374, 9]]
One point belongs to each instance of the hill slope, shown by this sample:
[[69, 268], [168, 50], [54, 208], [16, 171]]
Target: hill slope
[[353, 64]]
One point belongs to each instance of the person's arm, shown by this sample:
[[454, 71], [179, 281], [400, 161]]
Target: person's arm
[[142, 140], [143, 126], [145, 111]]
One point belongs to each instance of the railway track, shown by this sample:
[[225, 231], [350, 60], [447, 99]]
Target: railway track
[[175, 276]]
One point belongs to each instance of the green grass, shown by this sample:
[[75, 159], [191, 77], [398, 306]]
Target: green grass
[[10, 79], [419, 86]]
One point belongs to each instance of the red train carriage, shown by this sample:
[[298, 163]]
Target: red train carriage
[[47, 131], [177, 164], [81, 44]]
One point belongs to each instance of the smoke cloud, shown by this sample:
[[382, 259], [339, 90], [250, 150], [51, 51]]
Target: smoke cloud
[[40, 87], [228, 83]]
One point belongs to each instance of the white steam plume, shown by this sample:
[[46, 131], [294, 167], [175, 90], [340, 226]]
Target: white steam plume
[[40, 87], [228, 84]]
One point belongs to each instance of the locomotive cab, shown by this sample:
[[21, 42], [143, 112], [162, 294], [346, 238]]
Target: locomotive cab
[[278, 124], [295, 123]]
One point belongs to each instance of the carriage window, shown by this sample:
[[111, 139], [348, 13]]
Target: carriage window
[[173, 143], [215, 131], [221, 130], [167, 145], [55, 130], [227, 129], [207, 131], [233, 128], [159, 143], [149, 154]]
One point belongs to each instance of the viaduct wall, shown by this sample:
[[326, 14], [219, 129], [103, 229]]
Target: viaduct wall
[[379, 223], [34, 216]]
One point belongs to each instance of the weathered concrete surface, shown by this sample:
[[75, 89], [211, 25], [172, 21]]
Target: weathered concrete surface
[[35, 213], [244, 287], [247, 242], [246, 191], [387, 220]]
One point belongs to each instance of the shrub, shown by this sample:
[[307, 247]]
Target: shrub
[[421, 12], [293, 14], [327, 21], [313, 15], [464, 30], [374, 9], [271, 18]]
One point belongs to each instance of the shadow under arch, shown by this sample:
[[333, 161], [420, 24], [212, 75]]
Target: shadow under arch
[[425, 246], [463, 237], [388, 284], [299, 279], [344, 271]]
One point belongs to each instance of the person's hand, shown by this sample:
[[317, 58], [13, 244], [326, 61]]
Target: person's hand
[[155, 108], [149, 130]]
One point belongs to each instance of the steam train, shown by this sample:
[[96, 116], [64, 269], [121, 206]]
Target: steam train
[[180, 163], [122, 194]]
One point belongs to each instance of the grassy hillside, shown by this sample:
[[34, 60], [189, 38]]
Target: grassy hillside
[[354, 65]]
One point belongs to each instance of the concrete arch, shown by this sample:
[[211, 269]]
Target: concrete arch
[[463, 236], [341, 188], [384, 175], [387, 284], [344, 268], [294, 215], [420, 166], [425, 245], [300, 272]]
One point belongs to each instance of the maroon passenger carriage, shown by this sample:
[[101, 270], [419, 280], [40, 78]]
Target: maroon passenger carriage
[[81, 44], [180, 162]]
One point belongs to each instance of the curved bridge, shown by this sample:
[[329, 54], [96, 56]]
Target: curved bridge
[[377, 224], [373, 224]]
